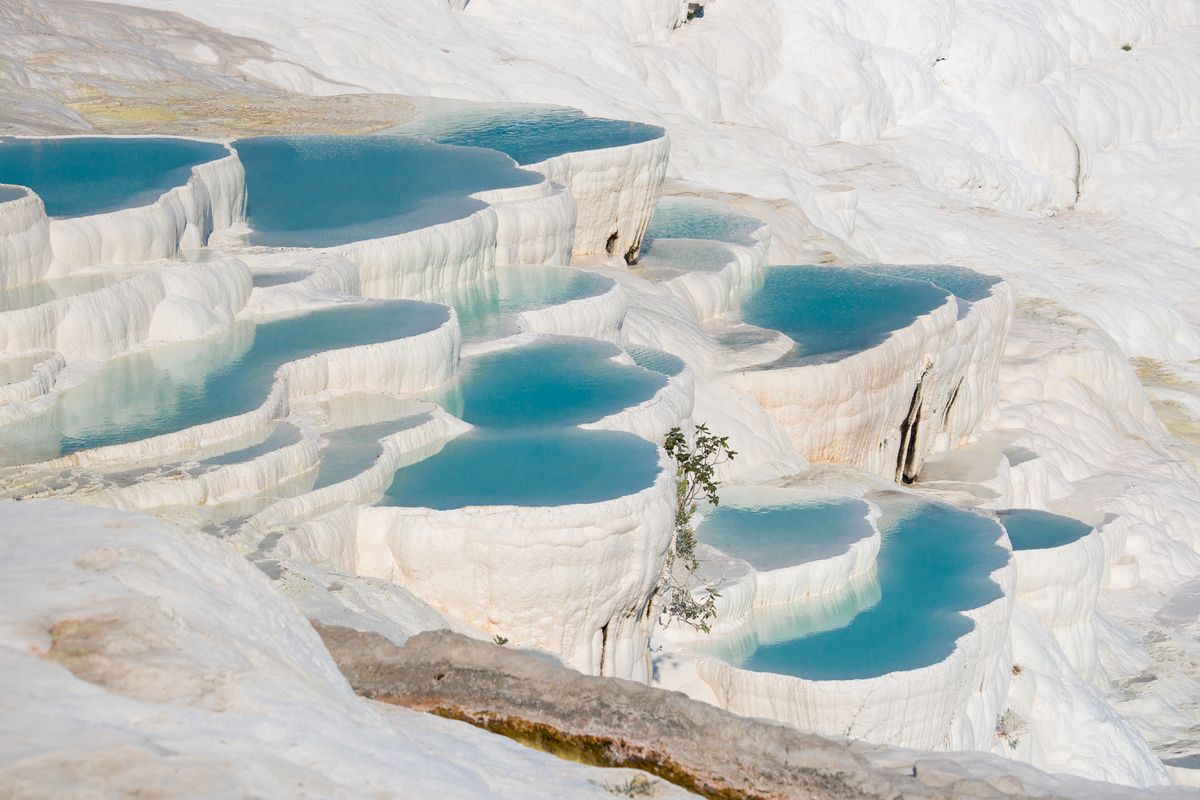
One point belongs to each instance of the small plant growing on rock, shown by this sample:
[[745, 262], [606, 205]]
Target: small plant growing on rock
[[637, 786], [696, 462], [500, 640], [1010, 728]]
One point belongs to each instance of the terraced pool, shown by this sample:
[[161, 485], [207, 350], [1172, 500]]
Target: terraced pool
[[934, 563], [489, 308], [1030, 529], [177, 386], [323, 191], [78, 176]]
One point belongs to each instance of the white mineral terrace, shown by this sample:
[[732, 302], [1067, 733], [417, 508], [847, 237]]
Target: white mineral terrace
[[379, 423]]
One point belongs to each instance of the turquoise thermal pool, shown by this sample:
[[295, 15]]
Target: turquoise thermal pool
[[177, 386], [488, 309], [832, 312], [685, 254], [553, 381], [935, 562], [776, 528], [34, 294], [965, 284], [85, 175], [554, 467], [1029, 529], [656, 360], [697, 218], [282, 436], [351, 451], [323, 191], [265, 280], [531, 134]]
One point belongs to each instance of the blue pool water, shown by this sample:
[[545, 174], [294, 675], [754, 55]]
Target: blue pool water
[[527, 468], [33, 294], [656, 360], [1185, 762], [95, 175], [322, 191], [553, 381], [934, 562], [9, 193], [282, 436], [831, 312], [529, 134], [351, 451], [685, 254], [177, 386], [265, 280], [488, 308], [775, 528], [1029, 529], [697, 218], [963, 283]]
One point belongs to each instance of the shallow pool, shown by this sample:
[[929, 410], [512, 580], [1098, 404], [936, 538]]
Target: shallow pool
[[351, 451], [283, 435], [322, 191], [965, 284], [553, 381], [176, 386], [775, 528], [935, 561], [656, 360], [527, 468], [530, 134], [10, 193], [34, 294], [693, 255], [832, 312], [489, 308], [698, 218], [1029, 529], [94, 175], [265, 280]]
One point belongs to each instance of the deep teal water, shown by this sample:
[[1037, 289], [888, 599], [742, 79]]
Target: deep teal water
[[553, 382], [95, 175], [935, 562], [1029, 529], [173, 387], [831, 312], [322, 191], [553, 467], [530, 135]]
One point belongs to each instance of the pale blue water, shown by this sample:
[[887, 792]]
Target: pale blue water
[[95, 175], [488, 308], [265, 280], [177, 386], [685, 254], [1029, 529], [1186, 762], [783, 532], [832, 312], [656, 360], [529, 135], [527, 468], [321, 191], [696, 218], [285, 434], [351, 451], [33, 294], [934, 562], [963, 283], [554, 381], [9, 193]]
